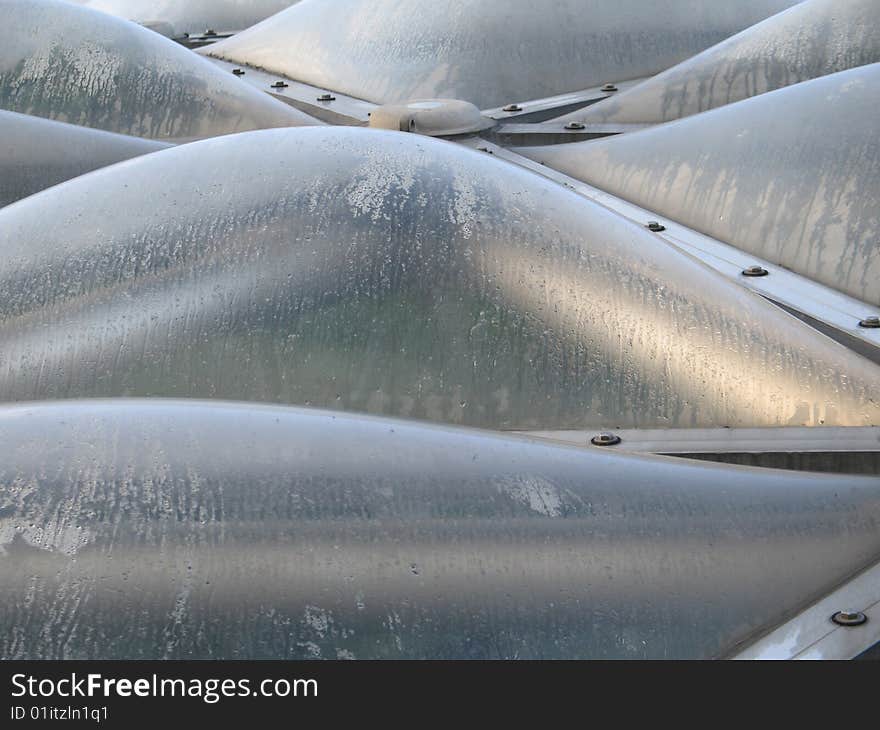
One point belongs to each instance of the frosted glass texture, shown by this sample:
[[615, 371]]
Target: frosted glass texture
[[37, 153], [813, 39], [175, 18], [163, 530], [76, 65], [792, 176], [391, 273], [487, 53]]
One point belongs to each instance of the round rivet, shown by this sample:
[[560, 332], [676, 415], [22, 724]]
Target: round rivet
[[575, 125], [609, 87], [279, 85], [238, 72], [326, 97], [605, 439], [655, 226], [871, 323], [512, 108], [849, 618], [755, 271]]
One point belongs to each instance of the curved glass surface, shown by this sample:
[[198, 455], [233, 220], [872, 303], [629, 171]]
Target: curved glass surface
[[812, 39], [792, 176], [489, 54], [397, 274], [193, 16], [77, 65], [211, 530], [37, 153]]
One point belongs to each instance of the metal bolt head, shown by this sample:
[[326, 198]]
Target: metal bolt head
[[849, 618], [575, 125], [326, 97], [512, 108], [279, 85], [872, 322], [755, 271], [238, 72], [605, 439], [655, 226], [609, 87]]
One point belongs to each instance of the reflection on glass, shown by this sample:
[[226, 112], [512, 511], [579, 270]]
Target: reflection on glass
[[389, 273], [80, 66], [209, 530], [175, 18], [812, 39], [486, 53], [37, 153], [792, 176]]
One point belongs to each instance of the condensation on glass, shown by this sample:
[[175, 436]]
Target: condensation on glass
[[188, 530], [486, 53], [37, 153], [812, 39], [81, 66], [792, 176], [175, 18], [396, 274]]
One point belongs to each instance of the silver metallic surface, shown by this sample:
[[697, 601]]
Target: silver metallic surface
[[792, 176], [489, 54], [431, 117], [733, 440], [80, 66], [344, 109], [396, 274], [208, 530], [812, 634], [809, 40], [176, 17], [37, 153]]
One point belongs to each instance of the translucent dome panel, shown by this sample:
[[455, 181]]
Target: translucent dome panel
[[391, 273], [815, 38], [192, 16], [792, 176], [77, 65], [186, 530], [37, 153], [486, 53]]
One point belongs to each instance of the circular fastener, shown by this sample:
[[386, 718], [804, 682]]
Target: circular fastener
[[605, 439], [655, 226], [849, 618], [326, 97], [575, 125], [512, 108], [279, 85], [609, 87], [238, 72], [871, 323], [755, 271]]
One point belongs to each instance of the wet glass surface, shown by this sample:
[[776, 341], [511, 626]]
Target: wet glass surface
[[163, 530], [37, 153], [812, 39], [76, 65], [792, 176], [396, 274], [489, 54]]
